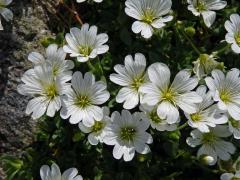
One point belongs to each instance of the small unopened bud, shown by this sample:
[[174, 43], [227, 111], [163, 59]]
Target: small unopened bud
[[190, 31], [207, 160]]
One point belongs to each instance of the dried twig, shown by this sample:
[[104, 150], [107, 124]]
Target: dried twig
[[72, 10]]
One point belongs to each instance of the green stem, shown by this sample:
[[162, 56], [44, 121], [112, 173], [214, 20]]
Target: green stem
[[93, 69], [223, 49], [100, 66], [191, 43], [182, 126]]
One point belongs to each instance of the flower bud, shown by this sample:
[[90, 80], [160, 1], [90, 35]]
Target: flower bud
[[207, 160], [190, 31]]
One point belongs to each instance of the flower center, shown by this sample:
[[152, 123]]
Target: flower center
[[154, 117], [234, 123], [85, 50], [97, 127], [237, 38], [169, 96], [208, 138], [137, 82], [148, 16], [82, 101], [201, 6], [196, 117], [127, 133], [225, 96], [51, 91]]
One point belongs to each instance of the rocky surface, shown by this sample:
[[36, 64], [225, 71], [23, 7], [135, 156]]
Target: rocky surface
[[19, 38]]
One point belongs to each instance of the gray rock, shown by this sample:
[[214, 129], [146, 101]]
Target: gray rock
[[19, 38]]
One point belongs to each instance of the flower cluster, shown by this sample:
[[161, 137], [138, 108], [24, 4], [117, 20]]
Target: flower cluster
[[151, 95]]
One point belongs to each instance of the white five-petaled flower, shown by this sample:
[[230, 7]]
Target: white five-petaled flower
[[212, 143], [131, 76], [55, 58], [169, 97], [5, 12], [150, 15], [206, 8], [233, 35], [45, 89], [54, 173], [226, 91], [85, 43], [127, 133], [97, 1], [234, 127], [230, 176], [96, 131], [155, 121], [81, 102], [208, 114]]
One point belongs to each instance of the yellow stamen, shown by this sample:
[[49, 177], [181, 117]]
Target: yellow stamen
[[196, 117], [82, 101], [85, 50], [137, 82], [201, 6], [148, 16], [51, 91], [237, 38], [98, 126], [127, 133], [225, 96]]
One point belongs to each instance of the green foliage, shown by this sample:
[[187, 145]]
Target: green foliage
[[178, 45]]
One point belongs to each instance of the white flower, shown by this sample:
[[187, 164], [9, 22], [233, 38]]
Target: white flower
[[96, 131], [55, 58], [233, 35], [212, 143], [234, 127], [85, 43], [54, 173], [206, 8], [208, 114], [226, 91], [169, 97], [205, 64], [6, 13], [81, 102], [131, 76], [150, 15], [127, 133], [155, 121], [230, 176], [45, 89], [97, 1]]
